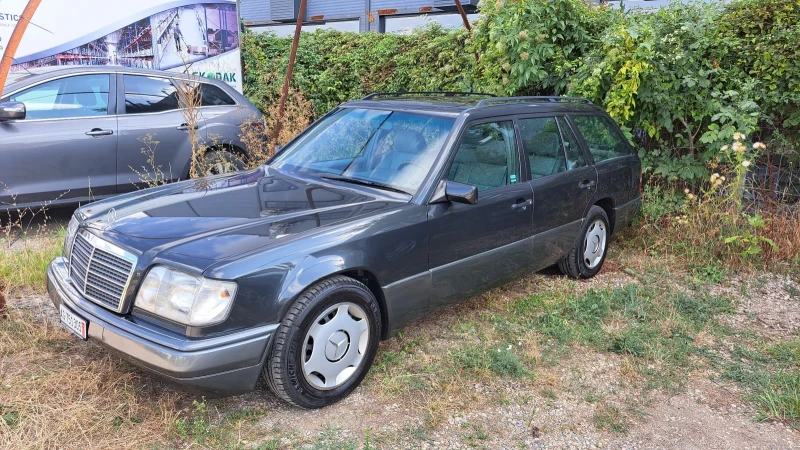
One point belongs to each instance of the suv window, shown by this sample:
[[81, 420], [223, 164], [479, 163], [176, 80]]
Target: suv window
[[486, 157], [603, 137], [70, 97], [542, 143], [575, 156], [214, 96], [149, 94]]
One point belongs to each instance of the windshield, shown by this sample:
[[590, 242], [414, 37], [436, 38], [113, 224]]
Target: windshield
[[380, 148]]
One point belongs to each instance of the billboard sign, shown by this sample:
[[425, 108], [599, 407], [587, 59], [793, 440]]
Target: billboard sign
[[194, 36]]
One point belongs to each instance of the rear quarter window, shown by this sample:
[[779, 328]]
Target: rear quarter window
[[604, 139]]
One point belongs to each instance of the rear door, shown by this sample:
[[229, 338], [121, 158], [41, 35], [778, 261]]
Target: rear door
[[473, 247], [562, 183], [65, 148], [154, 142], [616, 163]]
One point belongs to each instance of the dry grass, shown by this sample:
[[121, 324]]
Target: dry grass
[[57, 393]]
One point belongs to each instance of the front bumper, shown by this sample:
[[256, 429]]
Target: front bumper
[[229, 363]]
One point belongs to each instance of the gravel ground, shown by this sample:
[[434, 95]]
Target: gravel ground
[[559, 410]]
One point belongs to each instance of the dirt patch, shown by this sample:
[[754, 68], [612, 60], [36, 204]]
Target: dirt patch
[[705, 416], [768, 304]]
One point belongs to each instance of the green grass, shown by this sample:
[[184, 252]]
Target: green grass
[[501, 360], [23, 266], [608, 417], [769, 373]]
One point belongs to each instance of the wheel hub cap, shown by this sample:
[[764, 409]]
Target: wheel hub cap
[[337, 346], [594, 246]]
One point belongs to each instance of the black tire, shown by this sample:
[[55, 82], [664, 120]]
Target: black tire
[[573, 264], [283, 367], [221, 161]]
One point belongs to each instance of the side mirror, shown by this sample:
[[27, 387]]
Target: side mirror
[[12, 111], [452, 191]]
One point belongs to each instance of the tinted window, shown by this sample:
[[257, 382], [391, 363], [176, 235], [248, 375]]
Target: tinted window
[[542, 143], [486, 157], [603, 138], [214, 96], [575, 156], [149, 95], [78, 96]]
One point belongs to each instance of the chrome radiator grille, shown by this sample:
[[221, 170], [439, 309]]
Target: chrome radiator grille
[[101, 271]]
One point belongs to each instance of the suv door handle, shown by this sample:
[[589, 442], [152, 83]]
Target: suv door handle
[[587, 184], [522, 205], [99, 132], [185, 126]]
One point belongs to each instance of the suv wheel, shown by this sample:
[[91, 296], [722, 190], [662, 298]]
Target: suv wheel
[[219, 162], [589, 252], [325, 345]]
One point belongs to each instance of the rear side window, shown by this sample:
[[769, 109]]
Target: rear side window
[[487, 157], [214, 96], [542, 143], [575, 156], [149, 95], [70, 97], [603, 137]]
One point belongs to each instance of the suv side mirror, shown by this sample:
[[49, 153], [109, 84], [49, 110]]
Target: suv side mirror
[[12, 111], [452, 191]]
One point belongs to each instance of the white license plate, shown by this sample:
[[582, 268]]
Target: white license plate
[[73, 322]]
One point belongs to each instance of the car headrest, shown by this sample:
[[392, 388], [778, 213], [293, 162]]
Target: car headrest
[[492, 152], [409, 141]]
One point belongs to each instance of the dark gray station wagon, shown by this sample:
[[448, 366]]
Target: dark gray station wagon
[[383, 210]]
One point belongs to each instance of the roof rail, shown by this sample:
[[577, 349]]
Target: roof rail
[[375, 95], [552, 99]]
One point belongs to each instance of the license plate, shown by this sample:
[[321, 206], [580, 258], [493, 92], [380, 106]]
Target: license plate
[[73, 322]]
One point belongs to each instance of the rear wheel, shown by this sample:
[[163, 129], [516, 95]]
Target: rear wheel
[[588, 254], [221, 161], [325, 345]]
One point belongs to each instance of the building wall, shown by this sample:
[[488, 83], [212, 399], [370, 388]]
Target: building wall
[[371, 14]]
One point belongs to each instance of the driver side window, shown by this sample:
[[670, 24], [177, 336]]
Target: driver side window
[[487, 157], [70, 97]]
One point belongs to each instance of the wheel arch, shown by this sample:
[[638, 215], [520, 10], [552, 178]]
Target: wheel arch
[[295, 286], [608, 206]]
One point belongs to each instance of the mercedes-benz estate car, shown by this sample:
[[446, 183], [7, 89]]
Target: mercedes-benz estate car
[[383, 210], [77, 134]]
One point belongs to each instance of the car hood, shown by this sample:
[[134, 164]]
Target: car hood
[[220, 217]]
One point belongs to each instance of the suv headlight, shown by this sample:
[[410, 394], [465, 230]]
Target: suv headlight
[[185, 298], [69, 239]]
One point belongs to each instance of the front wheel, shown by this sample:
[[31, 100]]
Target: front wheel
[[589, 252], [325, 345]]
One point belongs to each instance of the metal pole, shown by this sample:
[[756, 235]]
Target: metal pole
[[466, 24], [285, 93], [16, 37]]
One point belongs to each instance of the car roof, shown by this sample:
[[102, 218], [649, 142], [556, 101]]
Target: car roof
[[477, 106], [38, 74]]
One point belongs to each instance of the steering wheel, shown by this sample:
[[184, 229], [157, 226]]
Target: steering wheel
[[410, 163]]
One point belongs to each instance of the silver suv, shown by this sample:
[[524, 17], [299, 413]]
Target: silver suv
[[76, 134]]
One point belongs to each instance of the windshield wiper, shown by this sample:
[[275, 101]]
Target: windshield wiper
[[361, 182]]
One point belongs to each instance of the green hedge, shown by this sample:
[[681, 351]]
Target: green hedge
[[682, 79]]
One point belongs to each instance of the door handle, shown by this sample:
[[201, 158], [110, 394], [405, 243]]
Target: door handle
[[587, 184], [185, 126], [99, 132], [522, 205]]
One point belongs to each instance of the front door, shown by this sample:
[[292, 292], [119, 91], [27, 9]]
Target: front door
[[65, 148], [562, 184], [473, 247]]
